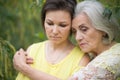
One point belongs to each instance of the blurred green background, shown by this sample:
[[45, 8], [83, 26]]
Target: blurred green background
[[20, 26]]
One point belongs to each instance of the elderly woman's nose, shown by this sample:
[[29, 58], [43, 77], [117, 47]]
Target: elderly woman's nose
[[78, 36]]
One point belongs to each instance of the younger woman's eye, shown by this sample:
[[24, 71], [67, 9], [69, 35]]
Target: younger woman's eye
[[49, 23], [63, 25]]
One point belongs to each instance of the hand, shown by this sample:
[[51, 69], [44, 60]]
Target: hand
[[19, 59], [73, 78], [29, 60]]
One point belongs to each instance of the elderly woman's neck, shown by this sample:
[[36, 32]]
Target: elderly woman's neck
[[103, 48]]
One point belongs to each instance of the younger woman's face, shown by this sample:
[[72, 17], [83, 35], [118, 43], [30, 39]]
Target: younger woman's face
[[88, 38], [57, 26]]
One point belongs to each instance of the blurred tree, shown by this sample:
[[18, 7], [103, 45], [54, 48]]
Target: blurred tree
[[7, 51], [20, 22]]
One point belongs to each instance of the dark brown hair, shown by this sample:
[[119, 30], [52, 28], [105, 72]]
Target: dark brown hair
[[51, 5]]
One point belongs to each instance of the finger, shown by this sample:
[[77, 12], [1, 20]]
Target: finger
[[29, 61], [75, 78], [25, 53], [16, 52], [16, 55], [21, 50], [29, 58]]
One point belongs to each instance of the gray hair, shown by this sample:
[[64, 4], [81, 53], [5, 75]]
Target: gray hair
[[94, 10]]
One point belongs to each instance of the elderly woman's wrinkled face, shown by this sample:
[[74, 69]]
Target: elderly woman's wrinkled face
[[89, 39]]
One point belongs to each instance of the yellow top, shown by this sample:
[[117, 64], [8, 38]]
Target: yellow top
[[62, 70]]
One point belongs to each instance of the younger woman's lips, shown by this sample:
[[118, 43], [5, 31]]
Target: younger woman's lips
[[55, 38]]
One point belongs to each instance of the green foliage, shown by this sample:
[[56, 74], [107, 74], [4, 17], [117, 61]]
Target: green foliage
[[20, 22], [7, 51]]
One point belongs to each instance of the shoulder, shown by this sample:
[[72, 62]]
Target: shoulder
[[38, 44], [77, 53], [35, 46], [77, 50], [109, 55], [105, 66], [109, 60], [85, 60], [115, 48]]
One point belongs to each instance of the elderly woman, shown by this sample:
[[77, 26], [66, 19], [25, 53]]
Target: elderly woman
[[96, 30]]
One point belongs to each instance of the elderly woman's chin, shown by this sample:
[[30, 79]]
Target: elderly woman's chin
[[85, 50]]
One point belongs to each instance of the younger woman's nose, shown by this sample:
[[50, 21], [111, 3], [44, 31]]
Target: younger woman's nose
[[55, 29]]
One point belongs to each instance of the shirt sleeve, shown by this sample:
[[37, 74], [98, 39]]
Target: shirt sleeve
[[94, 73], [106, 66]]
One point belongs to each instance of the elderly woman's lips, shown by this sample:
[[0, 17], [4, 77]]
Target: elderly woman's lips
[[81, 44]]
